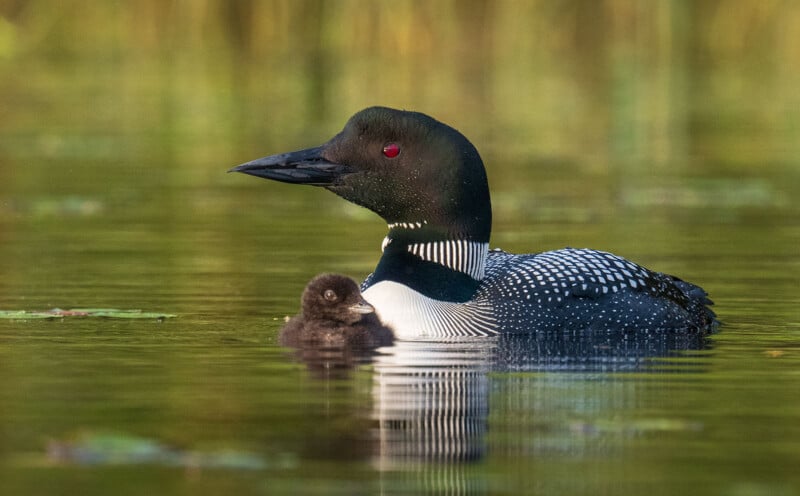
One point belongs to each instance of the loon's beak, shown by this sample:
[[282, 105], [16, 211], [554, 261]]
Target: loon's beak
[[301, 167], [362, 307]]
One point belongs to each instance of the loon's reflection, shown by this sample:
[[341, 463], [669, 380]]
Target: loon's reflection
[[574, 351], [431, 400]]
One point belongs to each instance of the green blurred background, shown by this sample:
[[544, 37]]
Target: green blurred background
[[600, 83]]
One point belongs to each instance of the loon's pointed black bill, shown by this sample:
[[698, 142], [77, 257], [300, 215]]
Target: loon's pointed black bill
[[300, 167]]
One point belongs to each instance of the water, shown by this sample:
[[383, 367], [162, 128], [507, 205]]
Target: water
[[113, 193]]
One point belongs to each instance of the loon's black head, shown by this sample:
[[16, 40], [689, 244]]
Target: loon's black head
[[335, 298], [407, 167]]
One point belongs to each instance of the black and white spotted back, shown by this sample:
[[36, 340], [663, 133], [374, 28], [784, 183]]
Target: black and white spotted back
[[588, 289]]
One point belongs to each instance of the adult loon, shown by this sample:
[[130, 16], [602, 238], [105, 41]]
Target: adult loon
[[437, 276], [335, 315]]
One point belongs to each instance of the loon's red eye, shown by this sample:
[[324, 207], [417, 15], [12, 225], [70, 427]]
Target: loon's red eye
[[391, 150]]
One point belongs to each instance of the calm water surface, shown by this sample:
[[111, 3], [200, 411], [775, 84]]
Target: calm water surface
[[662, 137]]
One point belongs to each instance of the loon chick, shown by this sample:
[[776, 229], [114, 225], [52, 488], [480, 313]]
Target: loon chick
[[335, 315], [437, 276]]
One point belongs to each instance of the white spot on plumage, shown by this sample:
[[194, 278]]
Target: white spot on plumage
[[407, 225]]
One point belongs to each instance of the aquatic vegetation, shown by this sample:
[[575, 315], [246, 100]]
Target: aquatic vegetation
[[94, 448], [57, 313]]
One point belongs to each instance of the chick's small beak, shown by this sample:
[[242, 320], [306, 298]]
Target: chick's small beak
[[362, 307]]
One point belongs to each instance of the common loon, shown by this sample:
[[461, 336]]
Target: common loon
[[335, 315], [437, 277]]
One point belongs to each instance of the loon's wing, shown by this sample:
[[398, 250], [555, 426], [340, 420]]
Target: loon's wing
[[697, 299], [591, 288], [572, 272]]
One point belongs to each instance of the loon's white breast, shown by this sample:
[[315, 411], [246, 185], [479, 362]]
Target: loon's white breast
[[412, 315]]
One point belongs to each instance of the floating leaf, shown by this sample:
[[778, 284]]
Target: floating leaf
[[114, 313], [22, 315], [57, 313]]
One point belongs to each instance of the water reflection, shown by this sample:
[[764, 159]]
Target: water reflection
[[573, 351], [332, 362], [432, 400]]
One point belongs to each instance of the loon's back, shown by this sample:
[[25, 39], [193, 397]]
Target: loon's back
[[583, 289]]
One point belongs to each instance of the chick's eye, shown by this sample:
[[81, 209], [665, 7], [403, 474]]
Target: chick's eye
[[391, 150], [329, 295]]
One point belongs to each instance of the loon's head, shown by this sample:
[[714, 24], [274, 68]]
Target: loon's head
[[412, 170], [334, 298]]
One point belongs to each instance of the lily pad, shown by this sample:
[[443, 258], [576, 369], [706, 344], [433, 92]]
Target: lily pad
[[57, 313]]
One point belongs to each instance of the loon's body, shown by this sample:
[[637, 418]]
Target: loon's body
[[437, 276], [565, 289]]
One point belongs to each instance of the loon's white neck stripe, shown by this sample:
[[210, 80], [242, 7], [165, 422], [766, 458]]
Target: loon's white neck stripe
[[464, 256], [407, 225]]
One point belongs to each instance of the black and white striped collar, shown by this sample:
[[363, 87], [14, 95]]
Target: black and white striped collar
[[468, 257]]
